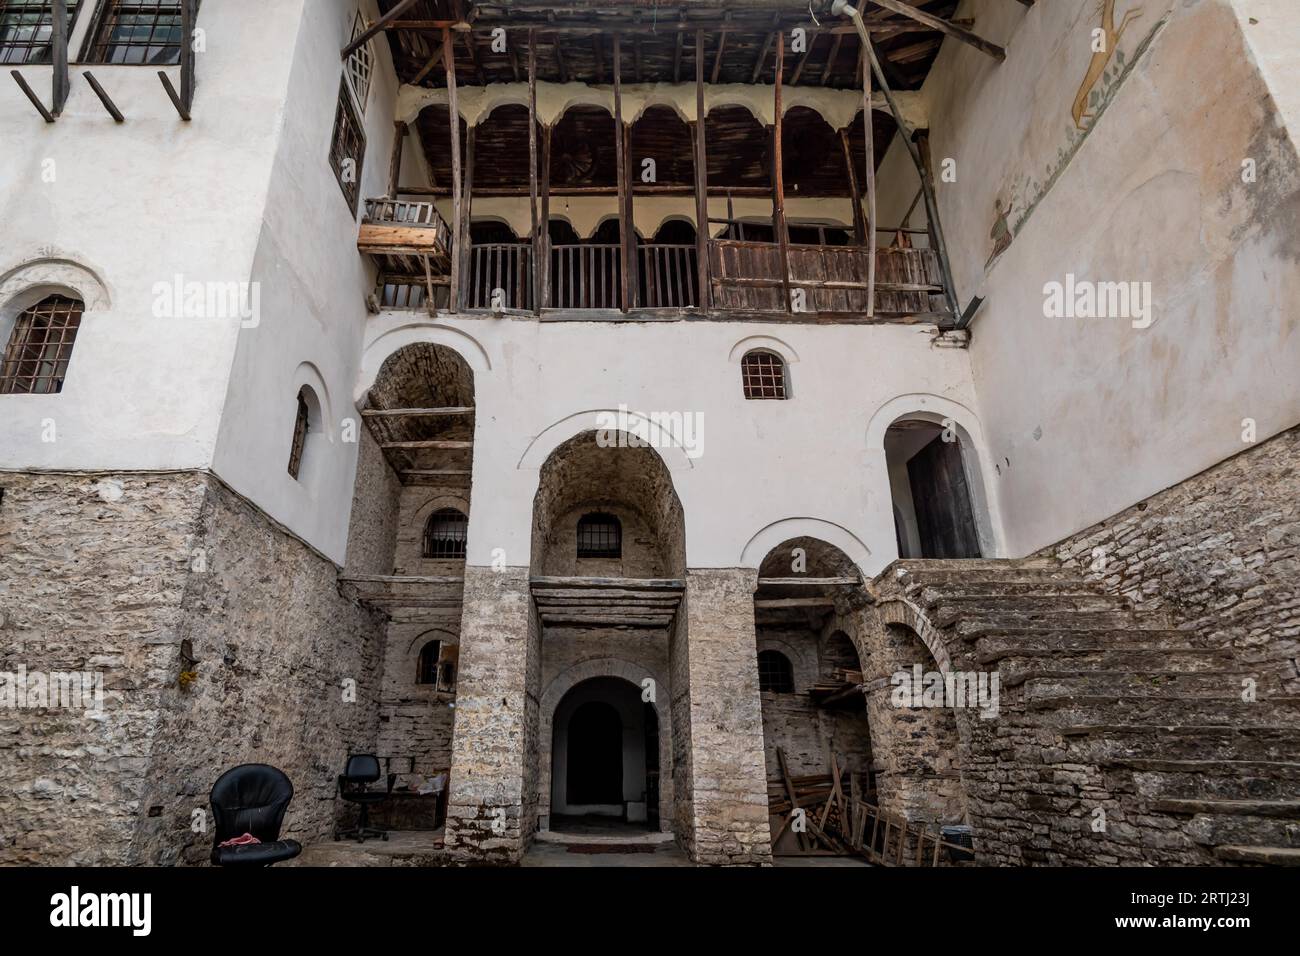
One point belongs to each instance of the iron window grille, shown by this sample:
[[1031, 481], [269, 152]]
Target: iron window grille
[[36, 358], [27, 30], [775, 673], [136, 31], [347, 147], [428, 669], [300, 425], [763, 375], [600, 535], [361, 64], [446, 534]]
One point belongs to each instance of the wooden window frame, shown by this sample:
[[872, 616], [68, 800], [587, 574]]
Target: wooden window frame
[[360, 65], [99, 37], [31, 344], [345, 115], [301, 426], [34, 53]]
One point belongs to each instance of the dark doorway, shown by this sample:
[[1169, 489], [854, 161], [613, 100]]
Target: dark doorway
[[945, 520], [934, 511], [595, 760]]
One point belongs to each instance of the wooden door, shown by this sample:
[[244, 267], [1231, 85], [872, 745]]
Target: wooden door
[[945, 520]]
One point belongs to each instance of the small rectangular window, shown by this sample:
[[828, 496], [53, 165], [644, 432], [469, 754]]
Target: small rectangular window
[[347, 147], [136, 31], [27, 30]]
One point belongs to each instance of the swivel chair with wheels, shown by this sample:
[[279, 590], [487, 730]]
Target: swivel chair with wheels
[[354, 787]]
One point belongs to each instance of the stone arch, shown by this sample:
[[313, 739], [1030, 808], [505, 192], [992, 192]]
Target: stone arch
[[596, 419], [900, 611], [774, 534], [29, 283], [569, 678], [769, 342], [388, 343]]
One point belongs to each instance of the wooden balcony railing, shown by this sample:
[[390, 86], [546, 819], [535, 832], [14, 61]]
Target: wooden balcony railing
[[586, 276], [403, 234], [667, 276], [504, 266]]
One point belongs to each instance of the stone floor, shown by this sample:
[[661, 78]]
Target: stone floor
[[402, 848]]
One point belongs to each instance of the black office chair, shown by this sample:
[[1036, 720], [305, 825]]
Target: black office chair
[[354, 787], [251, 798]]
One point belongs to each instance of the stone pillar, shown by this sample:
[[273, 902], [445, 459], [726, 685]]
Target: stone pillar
[[491, 813], [726, 771]]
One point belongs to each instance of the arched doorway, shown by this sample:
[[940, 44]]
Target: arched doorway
[[933, 485], [604, 757]]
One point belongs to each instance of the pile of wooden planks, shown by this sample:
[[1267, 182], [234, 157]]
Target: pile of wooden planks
[[816, 807], [841, 689]]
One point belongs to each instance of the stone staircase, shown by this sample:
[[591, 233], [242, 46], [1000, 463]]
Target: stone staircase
[[1121, 739]]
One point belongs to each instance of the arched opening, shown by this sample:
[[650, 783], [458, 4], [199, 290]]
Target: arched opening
[[815, 727], [763, 375], [931, 479], [39, 346], [445, 535], [604, 757]]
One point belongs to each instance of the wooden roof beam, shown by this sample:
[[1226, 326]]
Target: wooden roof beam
[[376, 27], [943, 26]]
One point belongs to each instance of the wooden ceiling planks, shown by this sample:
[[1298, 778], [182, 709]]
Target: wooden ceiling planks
[[573, 40]]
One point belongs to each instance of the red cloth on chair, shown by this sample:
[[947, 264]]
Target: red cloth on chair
[[245, 840]]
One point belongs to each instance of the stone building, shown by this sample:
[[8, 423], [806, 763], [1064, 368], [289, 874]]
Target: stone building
[[615, 448]]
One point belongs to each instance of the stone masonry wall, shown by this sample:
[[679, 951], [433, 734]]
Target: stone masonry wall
[[92, 572], [1220, 552]]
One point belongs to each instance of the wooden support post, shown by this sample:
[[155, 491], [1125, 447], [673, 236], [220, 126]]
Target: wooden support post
[[544, 264], [466, 219], [536, 246], [189, 11], [620, 159], [395, 161], [778, 181], [936, 228], [104, 98], [703, 292], [927, 186], [453, 123], [59, 53], [31, 95], [859, 225], [869, 131]]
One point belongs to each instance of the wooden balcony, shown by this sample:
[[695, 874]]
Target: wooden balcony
[[405, 237]]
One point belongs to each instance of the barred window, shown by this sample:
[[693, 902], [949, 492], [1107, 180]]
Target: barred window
[[428, 669], [347, 147], [36, 358], [445, 534], [360, 65], [600, 535], [300, 426], [27, 29], [763, 375], [136, 31], [775, 673]]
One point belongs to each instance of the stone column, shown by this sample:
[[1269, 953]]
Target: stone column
[[727, 776], [491, 813]]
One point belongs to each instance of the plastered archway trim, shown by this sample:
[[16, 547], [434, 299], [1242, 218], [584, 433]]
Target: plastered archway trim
[[635, 674], [769, 342], [393, 340], [672, 454], [778, 532], [904, 612], [26, 284]]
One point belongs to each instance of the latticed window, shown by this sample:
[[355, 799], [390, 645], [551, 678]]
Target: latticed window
[[300, 425], [26, 30], [360, 65], [775, 673], [763, 375], [136, 31], [348, 147], [600, 535], [36, 358], [428, 669], [445, 534]]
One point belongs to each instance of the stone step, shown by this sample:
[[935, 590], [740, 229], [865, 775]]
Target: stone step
[[1166, 711], [1261, 855], [1108, 743], [1063, 680], [915, 578], [950, 610], [1008, 621], [968, 565], [1035, 642], [1238, 822], [1215, 779], [931, 595], [1015, 666]]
